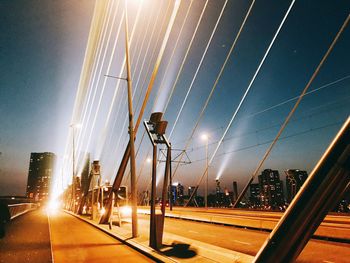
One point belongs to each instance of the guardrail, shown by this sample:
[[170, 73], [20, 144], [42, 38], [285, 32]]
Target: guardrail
[[333, 227], [20, 209]]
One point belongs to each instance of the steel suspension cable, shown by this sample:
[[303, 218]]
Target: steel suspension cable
[[198, 68], [215, 84], [161, 86], [186, 54], [216, 81], [244, 96], [148, 69], [268, 151], [92, 90]]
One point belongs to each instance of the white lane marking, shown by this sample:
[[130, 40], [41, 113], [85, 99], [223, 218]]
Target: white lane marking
[[241, 242], [326, 261], [191, 231]]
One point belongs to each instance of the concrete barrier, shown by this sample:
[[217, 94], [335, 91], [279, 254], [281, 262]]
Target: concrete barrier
[[335, 227]]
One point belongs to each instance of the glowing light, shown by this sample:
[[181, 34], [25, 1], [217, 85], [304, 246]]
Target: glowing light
[[76, 125], [125, 211], [102, 211], [205, 137], [148, 160], [53, 206], [175, 183]]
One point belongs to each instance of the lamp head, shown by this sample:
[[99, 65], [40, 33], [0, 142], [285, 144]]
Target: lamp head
[[156, 117]]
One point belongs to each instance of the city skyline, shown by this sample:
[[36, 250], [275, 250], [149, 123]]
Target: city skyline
[[41, 69]]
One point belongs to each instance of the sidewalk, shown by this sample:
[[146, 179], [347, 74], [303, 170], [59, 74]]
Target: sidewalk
[[175, 248]]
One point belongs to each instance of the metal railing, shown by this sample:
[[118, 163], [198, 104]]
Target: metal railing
[[20, 209]]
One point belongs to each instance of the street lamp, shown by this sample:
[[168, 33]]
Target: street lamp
[[73, 126], [155, 129], [205, 138]]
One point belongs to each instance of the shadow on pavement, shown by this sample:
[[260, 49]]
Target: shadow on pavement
[[179, 250]]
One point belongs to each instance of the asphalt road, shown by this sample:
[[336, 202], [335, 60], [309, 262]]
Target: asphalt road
[[247, 241], [33, 237], [27, 239], [76, 241]]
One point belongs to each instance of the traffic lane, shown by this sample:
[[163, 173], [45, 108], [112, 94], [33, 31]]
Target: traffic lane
[[248, 241], [27, 239], [76, 241]]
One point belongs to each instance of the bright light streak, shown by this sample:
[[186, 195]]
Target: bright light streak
[[125, 211], [53, 206]]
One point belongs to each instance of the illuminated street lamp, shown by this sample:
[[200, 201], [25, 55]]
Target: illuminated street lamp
[[73, 126], [205, 138]]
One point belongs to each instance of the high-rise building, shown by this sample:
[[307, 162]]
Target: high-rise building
[[294, 180], [254, 194], [271, 188], [235, 191], [41, 168]]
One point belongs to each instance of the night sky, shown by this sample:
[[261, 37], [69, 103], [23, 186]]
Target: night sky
[[42, 47]]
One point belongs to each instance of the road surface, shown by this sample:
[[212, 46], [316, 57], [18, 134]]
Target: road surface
[[27, 239], [36, 237], [246, 241], [75, 241]]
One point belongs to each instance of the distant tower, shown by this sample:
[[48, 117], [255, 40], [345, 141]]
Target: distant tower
[[41, 168], [294, 180], [85, 173], [271, 188], [217, 188], [235, 191]]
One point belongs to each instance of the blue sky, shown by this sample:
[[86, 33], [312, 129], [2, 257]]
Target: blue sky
[[42, 51]]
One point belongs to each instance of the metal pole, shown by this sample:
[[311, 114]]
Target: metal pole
[[131, 132], [73, 173], [207, 179], [170, 181], [320, 193], [152, 234]]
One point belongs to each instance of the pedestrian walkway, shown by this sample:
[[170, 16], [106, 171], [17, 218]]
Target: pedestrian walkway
[[74, 241], [37, 237]]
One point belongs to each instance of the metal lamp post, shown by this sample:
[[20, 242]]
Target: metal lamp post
[[155, 129], [73, 126], [205, 137], [131, 132]]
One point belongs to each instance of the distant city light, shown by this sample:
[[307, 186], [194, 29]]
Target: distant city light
[[205, 137]]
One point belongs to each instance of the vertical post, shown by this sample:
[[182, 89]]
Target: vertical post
[[207, 176], [165, 183], [170, 180], [152, 234], [131, 132], [73, 168]]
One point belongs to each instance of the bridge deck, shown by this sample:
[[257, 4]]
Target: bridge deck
[[29, 238]]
